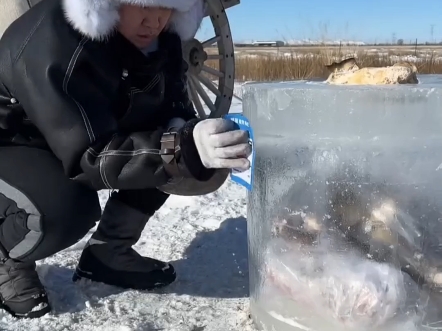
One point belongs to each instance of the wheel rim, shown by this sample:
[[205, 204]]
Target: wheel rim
[[203, 59]]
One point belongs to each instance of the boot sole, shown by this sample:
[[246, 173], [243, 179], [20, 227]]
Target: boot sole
[[79, 275], [30, 315]]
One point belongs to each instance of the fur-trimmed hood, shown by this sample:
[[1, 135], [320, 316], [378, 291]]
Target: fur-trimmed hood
[[97, 19]]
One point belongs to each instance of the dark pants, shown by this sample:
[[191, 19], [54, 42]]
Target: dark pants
[[43, 212]]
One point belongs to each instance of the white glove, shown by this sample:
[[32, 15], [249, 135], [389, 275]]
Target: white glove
[[221, 145]]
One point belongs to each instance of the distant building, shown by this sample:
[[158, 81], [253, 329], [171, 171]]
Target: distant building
[[276, 43]]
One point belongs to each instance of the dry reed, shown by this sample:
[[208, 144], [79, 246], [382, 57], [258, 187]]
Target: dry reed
[[295, 66]]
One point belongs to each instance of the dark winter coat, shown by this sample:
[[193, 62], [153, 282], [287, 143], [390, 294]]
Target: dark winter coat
[[101, 107]]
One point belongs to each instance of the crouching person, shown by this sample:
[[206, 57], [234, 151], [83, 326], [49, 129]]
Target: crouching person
[[93, 96]]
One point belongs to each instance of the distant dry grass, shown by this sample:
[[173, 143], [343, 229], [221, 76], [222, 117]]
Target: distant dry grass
[[265, 67]]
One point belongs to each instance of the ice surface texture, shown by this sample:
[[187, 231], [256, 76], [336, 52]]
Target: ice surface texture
[[363, 164], [306, 110]]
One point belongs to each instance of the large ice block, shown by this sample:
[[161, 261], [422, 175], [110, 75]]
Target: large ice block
[[345, 217]]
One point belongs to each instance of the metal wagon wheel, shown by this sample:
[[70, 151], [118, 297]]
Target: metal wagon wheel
[[198, 54]]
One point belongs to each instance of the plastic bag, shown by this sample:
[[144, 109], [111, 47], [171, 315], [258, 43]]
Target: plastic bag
[[362, 256], [376, 226], [345, 289]]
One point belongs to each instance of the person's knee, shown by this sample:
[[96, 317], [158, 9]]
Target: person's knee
[[29, 233], [46, 212]]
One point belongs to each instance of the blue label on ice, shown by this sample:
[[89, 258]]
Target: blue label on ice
[[244, 178]]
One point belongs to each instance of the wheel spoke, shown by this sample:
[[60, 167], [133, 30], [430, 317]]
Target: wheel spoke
[[215, 57], [196, 100], [233, 94], [203, 94], [212, 71], [208, 83], [216, 67], [211, 41]]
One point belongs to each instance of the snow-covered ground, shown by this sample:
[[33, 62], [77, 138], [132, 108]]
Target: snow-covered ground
[[206, 240]]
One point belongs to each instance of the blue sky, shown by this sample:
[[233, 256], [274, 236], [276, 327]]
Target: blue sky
[[362, 20]]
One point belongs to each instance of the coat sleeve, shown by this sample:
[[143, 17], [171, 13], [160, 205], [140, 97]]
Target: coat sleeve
[[70, 104], [183, 108]]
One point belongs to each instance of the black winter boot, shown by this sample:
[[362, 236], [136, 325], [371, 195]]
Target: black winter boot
[[109, 257], [22, 294]]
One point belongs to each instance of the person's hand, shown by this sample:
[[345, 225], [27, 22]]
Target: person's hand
[[221, 145]]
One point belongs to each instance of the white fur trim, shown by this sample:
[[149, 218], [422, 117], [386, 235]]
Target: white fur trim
[[97, 19]]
